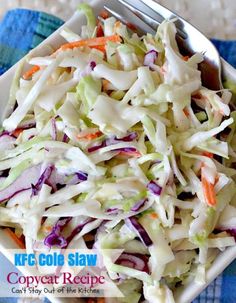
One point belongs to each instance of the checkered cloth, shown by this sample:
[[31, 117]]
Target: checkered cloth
[[222, 290], [20, 31]]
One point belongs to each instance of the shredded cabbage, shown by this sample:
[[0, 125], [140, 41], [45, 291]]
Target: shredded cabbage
[[116, 139], [88, 90], [89, 29]]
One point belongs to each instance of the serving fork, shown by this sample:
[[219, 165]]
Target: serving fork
[[147, 15]]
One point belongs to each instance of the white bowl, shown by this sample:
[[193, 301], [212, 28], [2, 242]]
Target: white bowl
[[185, 294]]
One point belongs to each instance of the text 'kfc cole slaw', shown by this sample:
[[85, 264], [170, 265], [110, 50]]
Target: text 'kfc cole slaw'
[[112, 142]]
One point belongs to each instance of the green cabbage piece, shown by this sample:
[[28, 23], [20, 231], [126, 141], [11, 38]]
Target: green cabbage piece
[[87, 10], [88, 90], [126, 203], [231, 85], [15, 172], [131, 289]]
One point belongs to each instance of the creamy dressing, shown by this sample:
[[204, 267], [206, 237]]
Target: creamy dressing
[[121, 80]]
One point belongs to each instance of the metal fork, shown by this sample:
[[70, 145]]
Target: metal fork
[[147, 15]]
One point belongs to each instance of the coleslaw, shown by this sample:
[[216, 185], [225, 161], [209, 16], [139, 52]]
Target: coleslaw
[[112, 142]]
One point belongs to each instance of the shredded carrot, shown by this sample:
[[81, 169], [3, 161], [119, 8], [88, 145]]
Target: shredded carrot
[[98, 41], [90, 136], [132, 27], [199, 96], [105, 85], [135, 154], [185, 110], [100, 32], [209, 191], [15, 238], [207, 154], [104, 14], [88, 237], [101, 300], [185, 58], [216, 179], [117, 25], [47, 228], [101, 48], [17, 132], [153, 215], [29, 73]]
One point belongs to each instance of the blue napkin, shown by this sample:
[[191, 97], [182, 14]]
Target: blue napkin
[[227, 50], [20, 31]]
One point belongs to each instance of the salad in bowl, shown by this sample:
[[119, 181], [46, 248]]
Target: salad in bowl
[[112, 142]]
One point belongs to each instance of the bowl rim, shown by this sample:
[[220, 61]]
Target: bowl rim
[[185, 294]]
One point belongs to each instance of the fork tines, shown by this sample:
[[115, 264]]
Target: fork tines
[[143, 14]]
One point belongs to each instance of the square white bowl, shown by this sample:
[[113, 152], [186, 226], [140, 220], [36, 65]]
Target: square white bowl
[[185, 294]]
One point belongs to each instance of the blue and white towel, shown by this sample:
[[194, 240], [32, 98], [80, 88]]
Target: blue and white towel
[[20, 31]]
